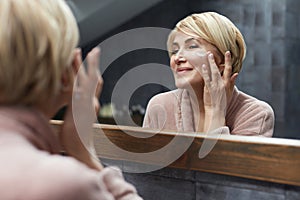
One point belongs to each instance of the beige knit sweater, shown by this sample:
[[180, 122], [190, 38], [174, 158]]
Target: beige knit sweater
[[245, 115]]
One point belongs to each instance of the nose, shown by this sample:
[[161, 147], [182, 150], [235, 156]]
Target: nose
[[179, 58]]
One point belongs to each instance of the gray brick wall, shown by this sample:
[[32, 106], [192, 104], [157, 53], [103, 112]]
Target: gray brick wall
[[292, 44]]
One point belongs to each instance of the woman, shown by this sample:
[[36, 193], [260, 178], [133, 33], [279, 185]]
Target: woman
[[206, 55], [38, 64]]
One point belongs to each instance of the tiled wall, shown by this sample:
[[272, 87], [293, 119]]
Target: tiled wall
[[292, 64]]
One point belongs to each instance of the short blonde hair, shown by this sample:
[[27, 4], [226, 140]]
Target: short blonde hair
[[217, 30], [37, 39]]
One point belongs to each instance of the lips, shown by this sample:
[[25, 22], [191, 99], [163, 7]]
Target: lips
[[183, 69]]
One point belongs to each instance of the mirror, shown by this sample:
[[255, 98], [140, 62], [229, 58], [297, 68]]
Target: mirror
[[270, 71]]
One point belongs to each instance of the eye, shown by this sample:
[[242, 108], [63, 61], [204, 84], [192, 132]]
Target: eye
[[193, 46], [175, 51]]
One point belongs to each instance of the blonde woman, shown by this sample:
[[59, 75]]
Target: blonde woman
[[38, 64], [206, 54]]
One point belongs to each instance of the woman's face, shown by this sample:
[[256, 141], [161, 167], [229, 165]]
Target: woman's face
[[188, 54]]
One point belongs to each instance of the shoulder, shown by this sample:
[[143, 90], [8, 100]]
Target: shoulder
[[250, 103], [50, 177], [160, 110], [35, 174], [248, 115], [245, 103], [165, 97], [164, 103], [29, 173], [67, 178], [80, 182]]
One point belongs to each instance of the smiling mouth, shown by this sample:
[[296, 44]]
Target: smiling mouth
[[182, 70]]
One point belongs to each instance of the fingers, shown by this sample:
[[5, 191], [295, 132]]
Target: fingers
[[233, 78], [228, 76], [205, 75], [93, 62], [80, 70], [215, 73], [76, 60], [93, 70], [210, 73], [96, 105], [99, 87], [228, 66]]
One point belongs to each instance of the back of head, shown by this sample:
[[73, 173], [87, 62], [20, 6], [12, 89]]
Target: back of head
[[37, 38], [217, 30]]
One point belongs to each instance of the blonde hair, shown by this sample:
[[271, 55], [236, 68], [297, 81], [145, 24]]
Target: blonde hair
[[37, 39], [217, 30]]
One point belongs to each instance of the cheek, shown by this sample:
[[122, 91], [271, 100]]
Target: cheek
[[198, 60], [172, 63]]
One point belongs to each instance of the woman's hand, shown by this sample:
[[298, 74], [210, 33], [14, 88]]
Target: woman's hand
[[77, 133], [217, 92], [229, 80]]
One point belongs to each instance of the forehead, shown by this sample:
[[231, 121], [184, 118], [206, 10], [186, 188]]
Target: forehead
[[181, 38]]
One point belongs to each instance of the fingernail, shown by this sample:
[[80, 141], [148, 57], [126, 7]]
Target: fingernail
[[211, 56], [204, 67]]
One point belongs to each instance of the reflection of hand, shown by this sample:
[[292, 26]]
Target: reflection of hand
[[229, 80], [218, 91], [77, 135]]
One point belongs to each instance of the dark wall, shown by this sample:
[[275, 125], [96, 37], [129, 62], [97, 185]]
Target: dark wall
[[164, 15]]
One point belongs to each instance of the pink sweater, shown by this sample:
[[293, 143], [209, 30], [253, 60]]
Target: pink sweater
[[31, 168], [245, 115]]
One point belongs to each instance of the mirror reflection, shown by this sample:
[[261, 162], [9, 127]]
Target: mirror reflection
[[270, 69]]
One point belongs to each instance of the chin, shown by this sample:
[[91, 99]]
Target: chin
[[182, 84], [189, 83]]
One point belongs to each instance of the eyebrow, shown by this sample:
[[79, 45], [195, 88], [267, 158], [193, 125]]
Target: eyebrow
[[186, 41]]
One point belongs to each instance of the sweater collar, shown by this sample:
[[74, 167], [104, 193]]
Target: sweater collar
[[184, 115]]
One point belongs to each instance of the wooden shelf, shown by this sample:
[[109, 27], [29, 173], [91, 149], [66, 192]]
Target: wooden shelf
[[268, 159]]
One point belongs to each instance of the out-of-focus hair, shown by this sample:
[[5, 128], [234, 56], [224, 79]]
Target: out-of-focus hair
[[37, 39]]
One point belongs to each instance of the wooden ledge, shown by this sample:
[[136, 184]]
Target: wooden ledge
[[267, 159]]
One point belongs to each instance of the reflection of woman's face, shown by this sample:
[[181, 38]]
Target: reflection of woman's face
[[188, 54]]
